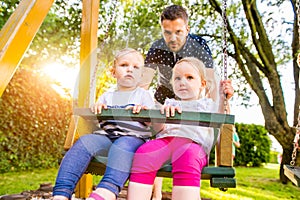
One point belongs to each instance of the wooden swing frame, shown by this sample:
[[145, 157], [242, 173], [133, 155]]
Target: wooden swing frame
[[221, 175], [28, 17]]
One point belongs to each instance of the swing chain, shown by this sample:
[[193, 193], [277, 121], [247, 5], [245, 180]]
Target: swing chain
[[296, 141], [225, 55]]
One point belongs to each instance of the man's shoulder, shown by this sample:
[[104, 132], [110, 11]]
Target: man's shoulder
[[197, 39], [160, 43]]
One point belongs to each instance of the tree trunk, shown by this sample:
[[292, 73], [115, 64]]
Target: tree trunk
[[286, 159], [261, 67]]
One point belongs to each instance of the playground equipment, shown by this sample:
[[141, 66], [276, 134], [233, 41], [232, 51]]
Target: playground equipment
[[20, 30], [220, 176]]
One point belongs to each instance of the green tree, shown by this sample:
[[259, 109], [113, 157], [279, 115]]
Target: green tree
[[258, 56]]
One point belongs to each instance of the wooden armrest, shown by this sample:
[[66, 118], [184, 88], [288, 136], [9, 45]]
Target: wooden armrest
[[186, 117]]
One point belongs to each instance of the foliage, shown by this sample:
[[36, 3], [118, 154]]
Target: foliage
[[58, 35], [33, 122], [6, 9], [252, 183], [274, 157], [255, 145]]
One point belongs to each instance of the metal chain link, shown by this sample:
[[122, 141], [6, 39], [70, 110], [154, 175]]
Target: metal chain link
[[225, 31], [225, 55]]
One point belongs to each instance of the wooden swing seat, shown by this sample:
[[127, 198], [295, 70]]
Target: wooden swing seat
[[220, 176], [293, 173]]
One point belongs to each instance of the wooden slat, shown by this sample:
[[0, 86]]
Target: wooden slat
[[223, 183], [221, 177], [189, 118], [293, 173], [224, 146], [16, 36]]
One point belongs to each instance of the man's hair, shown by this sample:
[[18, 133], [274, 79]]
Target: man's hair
[[174, 12]]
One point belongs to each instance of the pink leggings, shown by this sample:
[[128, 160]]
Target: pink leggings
[[187, 157]]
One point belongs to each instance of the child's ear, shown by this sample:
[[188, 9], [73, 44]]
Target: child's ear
[[203, 83], [112, 71]]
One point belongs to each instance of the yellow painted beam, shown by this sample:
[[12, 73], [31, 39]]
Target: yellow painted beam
[[17, 34], [86, 93], [88, 60], [84, 186], [88, 51]]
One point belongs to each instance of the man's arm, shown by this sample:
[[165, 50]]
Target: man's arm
[[147, 77], [213, 83]]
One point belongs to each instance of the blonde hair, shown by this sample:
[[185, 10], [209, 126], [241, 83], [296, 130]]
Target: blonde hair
[[196, 63], [124, 52]]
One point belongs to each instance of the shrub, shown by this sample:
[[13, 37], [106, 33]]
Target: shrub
[[255, 146], [34, 120]]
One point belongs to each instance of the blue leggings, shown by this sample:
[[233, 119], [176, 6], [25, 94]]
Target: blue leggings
[[120, 153]]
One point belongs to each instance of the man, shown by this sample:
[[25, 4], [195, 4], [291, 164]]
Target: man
[[176, 43]]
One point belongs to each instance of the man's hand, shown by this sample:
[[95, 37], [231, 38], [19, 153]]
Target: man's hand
[[227, 88]]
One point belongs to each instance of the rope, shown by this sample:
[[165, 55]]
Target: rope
[[225, 55]]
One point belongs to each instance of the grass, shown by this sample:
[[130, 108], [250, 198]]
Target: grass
[[252, 183], [17, 182]]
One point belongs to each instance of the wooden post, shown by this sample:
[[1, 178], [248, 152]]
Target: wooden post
[[17, 34], [84, 186], [88, 60], [224, 146]]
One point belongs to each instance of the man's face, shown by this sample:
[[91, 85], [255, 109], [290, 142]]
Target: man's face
[[175, 33]]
